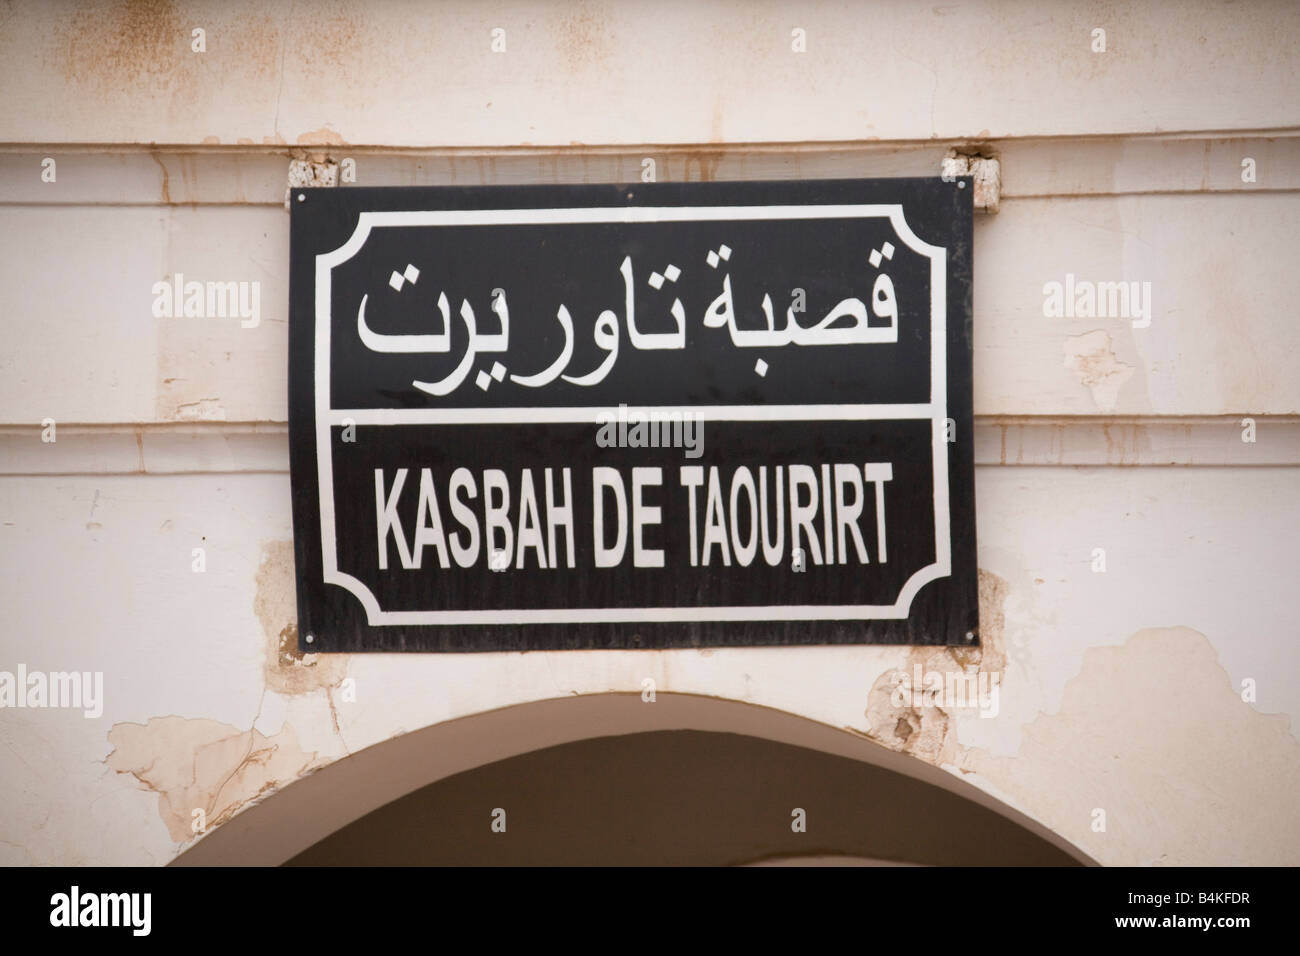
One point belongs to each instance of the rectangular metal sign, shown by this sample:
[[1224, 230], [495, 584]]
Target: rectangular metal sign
[[658, 415]]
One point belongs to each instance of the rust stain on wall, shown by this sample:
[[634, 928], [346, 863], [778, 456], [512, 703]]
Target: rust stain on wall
[[698, 165], [126, 44], [197, 764], [251, 42], [166, 178], [332, 43], [1125, 443], [584, 38]]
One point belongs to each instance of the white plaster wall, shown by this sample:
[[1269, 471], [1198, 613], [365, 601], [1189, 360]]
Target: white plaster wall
[[1119, 690], [624, 72]]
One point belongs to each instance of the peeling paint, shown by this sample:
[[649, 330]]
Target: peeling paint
[[929, 732], [1090, 357], [311, 173], [979, 162], [204, 410], [1154, 733], [315, 170], [205, 764], [321, 137], [288, 670]]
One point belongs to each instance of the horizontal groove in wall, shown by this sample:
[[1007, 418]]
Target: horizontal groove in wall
[[1031, 168], [1258, 132], [235, 447]]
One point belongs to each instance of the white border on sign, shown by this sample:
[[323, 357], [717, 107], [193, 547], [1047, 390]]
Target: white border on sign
[[936, 411]]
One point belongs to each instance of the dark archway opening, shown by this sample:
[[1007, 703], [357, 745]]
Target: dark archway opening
[[680, 797]]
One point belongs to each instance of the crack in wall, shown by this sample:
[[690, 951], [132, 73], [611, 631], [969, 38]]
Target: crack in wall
[[1090, 357], [1154, 733], [929, 732], [201, 764]]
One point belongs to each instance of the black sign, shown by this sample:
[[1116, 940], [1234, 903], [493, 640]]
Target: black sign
[[643, 416]]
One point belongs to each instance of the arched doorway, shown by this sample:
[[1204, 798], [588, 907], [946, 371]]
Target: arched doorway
[[613, 780]]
